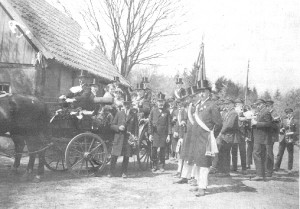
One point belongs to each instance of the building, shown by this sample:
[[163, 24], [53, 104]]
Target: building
[[40, 51]]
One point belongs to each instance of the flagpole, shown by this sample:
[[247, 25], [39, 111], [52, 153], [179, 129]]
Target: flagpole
[[246, 91]]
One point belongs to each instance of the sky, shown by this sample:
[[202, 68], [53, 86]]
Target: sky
[[265, 32]]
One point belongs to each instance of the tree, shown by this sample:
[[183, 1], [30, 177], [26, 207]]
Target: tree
[[135, 27], [277, 95], [267, 95]]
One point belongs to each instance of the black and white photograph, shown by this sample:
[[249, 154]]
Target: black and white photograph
[[145, 104]]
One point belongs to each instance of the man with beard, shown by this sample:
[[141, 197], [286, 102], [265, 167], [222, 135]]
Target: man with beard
[[262, 138], [208, 124], [124, 122], [159, 131]]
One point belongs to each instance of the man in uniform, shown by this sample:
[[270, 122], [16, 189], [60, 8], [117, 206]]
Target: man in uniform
[[226, 137], [239, 142], [274, 136], [159, 131], [287, 139], [180, 128], [208, 124], [125, 125], [187, 146], [173, 109], [262, 138]]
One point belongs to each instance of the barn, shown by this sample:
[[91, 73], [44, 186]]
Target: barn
[[41, 53]]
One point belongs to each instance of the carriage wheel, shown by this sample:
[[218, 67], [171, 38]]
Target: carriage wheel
[[144, 149], [86, 154], [54, 158]]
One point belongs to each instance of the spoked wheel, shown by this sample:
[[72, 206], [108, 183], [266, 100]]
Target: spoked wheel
[[86, 154], [55, 159], [144, 149]]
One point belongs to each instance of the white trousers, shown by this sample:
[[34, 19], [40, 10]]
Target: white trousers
[[186, 170], [203, 177], [180, 162], [195, 172]]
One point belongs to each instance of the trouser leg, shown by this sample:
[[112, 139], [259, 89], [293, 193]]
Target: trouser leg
[[162, 156], [113, 162], [242, 148], [290, 149], [186, 170], [125, 164], [280, 153], [250, 145], [203, 177], [154, 156], [269, 158], [224, 161], [257, 155], [216, 159], [180, 164], [41, 167], [234, 150]]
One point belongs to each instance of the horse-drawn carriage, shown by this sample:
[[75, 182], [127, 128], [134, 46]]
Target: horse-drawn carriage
[[83, 147]]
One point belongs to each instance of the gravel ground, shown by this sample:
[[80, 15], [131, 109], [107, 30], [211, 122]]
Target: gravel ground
[[148, 190]]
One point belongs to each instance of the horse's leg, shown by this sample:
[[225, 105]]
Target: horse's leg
[[19, 147]]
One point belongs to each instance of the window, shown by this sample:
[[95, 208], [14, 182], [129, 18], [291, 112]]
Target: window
[[4, 87]]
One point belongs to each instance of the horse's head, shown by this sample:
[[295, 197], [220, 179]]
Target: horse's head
[[5, 113]]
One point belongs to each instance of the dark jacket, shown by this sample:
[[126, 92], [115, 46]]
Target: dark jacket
[[230, 126], [120, 144], [262, 130], [159, 126], [211, 117]]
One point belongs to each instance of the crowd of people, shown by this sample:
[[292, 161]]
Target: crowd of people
[[202, 131]]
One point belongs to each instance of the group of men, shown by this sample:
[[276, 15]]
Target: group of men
[[205, 133], [203, 122]]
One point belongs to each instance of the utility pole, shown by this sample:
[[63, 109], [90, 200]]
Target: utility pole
[[246, 91]]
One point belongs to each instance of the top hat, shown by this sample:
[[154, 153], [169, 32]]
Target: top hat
[[238, 100], [192, 90], [259, 101], [83, 74], [116, 79], [140, 86], [179, 81], [145, 80], [94, 83], [127, 98], [161, 96]]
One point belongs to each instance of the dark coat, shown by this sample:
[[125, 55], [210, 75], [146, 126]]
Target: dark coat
[[186, 145], [159, 126], [211, 117], [262, 130], [230, 126], [121, 146], [84, 98]]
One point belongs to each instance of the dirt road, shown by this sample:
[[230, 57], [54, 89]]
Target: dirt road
[[148, 190]]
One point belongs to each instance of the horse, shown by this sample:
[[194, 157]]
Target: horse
[[27, 120]]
